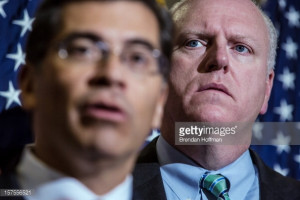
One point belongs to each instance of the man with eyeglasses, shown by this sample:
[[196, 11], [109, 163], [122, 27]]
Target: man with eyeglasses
[[95, 82]]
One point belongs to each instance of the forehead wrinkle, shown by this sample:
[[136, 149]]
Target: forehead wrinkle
[[183, 14], [236, 30]]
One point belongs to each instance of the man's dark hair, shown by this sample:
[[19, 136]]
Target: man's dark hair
[[48, 24]]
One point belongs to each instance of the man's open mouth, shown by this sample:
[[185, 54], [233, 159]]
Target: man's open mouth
[[104, 112]]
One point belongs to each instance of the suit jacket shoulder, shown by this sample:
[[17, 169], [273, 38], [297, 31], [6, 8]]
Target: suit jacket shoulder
[[15, 129], [273, 185], [8, 177], [147, 180]]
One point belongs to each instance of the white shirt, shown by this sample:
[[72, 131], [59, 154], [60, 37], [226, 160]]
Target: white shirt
[[49, 184], [181, 175]]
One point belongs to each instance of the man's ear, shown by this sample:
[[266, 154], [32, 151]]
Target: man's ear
[[269, 85], [159, 109], [26, 80]]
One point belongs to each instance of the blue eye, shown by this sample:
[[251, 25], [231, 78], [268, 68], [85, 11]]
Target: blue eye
[[241, 49], [194, 43]]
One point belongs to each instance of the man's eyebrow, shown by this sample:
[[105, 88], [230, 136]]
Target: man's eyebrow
[[198, 34], [140, 42], [95, 38], [239, 37], [184, 35], [236, 37], [87, 35]]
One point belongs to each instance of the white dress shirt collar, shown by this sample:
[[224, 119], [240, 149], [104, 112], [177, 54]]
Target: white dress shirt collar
[[48, 183], [178, 172]]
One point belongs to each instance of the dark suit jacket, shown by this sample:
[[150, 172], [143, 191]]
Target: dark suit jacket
[[9, 181], [15, 133], [272, 185]]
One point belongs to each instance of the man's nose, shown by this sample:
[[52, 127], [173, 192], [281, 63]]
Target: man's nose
[[216, 58], [110, 71]]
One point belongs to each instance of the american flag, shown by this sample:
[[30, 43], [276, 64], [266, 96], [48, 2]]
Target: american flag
[[284, 104], [16, 18]]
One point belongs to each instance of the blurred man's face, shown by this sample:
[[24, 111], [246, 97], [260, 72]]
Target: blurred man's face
[[219, 65], [108, 105]]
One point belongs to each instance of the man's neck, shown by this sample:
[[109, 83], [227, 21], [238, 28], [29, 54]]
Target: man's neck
[[99, 175], [210, 157]]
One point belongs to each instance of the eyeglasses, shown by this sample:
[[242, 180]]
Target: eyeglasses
[[138, 56]]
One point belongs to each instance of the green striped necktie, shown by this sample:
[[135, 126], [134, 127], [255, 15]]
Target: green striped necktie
[[216, 184]]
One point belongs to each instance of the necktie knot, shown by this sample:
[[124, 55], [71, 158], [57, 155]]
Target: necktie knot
[[216, 184]]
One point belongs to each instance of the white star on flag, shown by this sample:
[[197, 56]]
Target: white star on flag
[[293, 17], [282, 143], [2, 12], [282, 4], [257, 130], [290, 48], [285, 111], [280, 170], [19, 57], [25, 23], [12, 95], [287, 79]]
